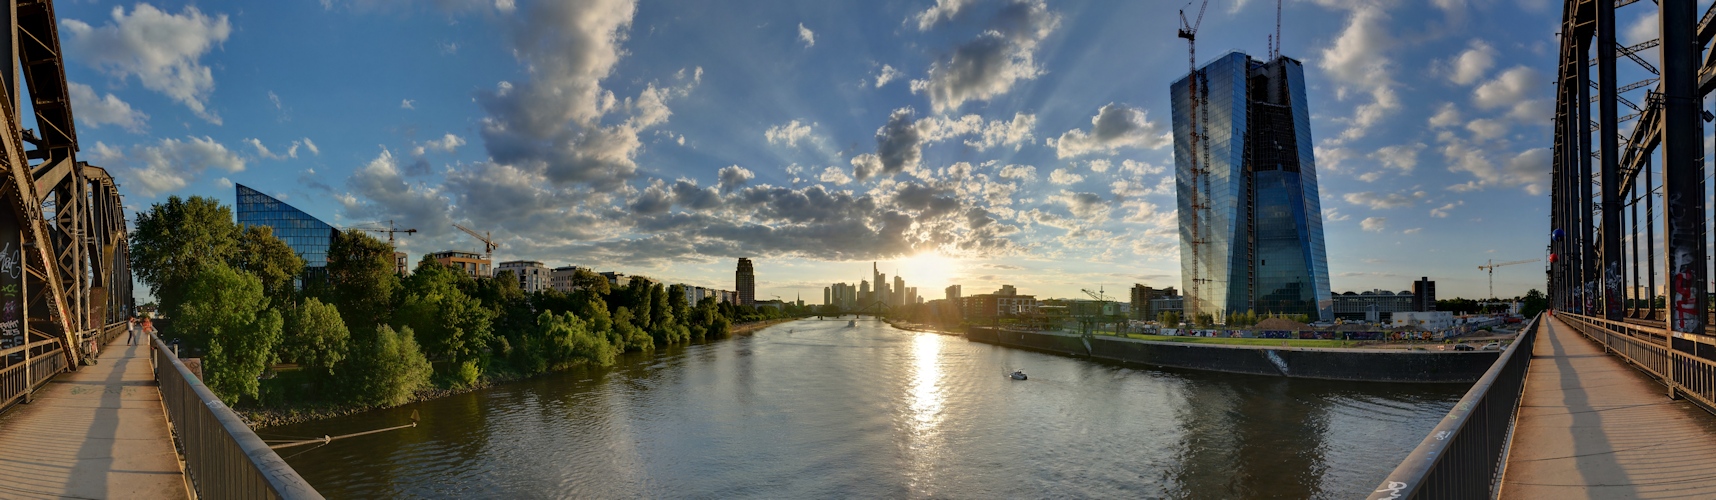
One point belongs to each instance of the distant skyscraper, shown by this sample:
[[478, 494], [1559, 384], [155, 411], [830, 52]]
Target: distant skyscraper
[[899, 297], [953, 293], [1251, 223], [746, 283], [1424, 294]]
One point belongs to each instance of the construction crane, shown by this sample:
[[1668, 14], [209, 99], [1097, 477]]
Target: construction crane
[[1199, 156], [1491, 268], [489, 244], [390, 230], [1098, 294]]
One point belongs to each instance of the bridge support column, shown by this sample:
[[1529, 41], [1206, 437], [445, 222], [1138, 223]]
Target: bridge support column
[[1683, 172]]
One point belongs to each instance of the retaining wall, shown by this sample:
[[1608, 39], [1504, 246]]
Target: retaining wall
[[1376, 365]]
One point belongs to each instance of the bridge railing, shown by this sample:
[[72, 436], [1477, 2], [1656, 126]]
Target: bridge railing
[[1463, 456], [1647, 347], [223, 456], [42, 360]]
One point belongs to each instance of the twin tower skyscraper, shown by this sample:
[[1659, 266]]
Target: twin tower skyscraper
[[1251, 223]]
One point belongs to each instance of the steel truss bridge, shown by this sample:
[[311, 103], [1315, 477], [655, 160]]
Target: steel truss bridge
[[65, 278]]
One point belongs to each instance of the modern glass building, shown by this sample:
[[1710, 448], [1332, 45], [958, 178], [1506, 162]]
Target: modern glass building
[[308, 236], [1251, 223]]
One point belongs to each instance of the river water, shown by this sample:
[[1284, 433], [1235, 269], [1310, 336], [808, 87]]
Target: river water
[[814, 409]]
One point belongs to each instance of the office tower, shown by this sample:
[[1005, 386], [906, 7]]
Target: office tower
[[746, 278], [306, 235], [1251, 224], [1424, 294], [899, 298], [953, 293]]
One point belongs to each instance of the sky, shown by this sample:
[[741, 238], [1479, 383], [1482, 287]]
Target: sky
[[970, 142]]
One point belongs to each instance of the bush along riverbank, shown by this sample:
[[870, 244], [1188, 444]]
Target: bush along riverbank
[[363, 336], [258, 416]]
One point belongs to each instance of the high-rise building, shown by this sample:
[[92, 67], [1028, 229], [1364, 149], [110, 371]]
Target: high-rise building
[[1251, 223], [746, 283], [1424, 294], [899, 298], [1007, 290], [308, 236], [953, 293]]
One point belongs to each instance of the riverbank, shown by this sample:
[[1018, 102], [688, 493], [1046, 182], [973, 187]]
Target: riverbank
[[920, 327], [262, 418]]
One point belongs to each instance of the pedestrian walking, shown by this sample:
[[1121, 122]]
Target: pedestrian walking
[[132, 328], [148, 327]]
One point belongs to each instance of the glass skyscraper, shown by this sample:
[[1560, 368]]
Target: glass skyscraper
[[1251, 224], [308, 236]]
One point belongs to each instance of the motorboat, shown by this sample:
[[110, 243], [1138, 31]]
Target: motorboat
[[1017, 375], [852, 323]]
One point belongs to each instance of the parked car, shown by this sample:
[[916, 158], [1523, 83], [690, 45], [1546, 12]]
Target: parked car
[[1492, 346], [1464, 347]]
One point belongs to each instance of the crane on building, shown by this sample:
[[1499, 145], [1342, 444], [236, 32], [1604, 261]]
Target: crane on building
[[1491, 268], [375, 227], [1099, 294], [489, 244], [1199, 157]]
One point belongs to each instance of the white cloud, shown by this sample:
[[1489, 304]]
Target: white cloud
[[806, 36], [223, 182], [162, 50], [734, 177], [834, 175], [943, 9], [992, 63], [1471, 65], [887, 74], [1019, 172], [1412, 231], [1645, 28], [1374, 224], [1384, 201], [94, 111], [1333, 214], [1114, 126], [1062, 177], [1358, 60], [407, 104], [166, 165], [275, 98], [991, 133], [1446, 116], [787, 133], [1442, 211], [1402, 157], [448, 143], [1486, 129], [1509, 88], [1528, 169], [312, 147]]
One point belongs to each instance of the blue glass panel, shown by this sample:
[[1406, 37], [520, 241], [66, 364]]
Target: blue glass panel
[[308, 236]]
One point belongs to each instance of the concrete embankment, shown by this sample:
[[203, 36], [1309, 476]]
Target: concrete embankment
[[1374, 365]]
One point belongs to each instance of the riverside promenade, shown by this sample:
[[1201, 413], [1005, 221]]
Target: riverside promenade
[[99, 432], [1590, 426]]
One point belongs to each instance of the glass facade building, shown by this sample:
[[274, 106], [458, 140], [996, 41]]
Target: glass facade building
[[1251, 222], [308, 236]]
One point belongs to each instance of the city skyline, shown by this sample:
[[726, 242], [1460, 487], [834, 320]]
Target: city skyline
[[669, 138]]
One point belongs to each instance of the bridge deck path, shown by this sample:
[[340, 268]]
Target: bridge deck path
[[1590, 426], [99, 432]]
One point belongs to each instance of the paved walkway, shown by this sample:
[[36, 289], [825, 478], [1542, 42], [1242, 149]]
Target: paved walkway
[[99, 432], [1590, 426]]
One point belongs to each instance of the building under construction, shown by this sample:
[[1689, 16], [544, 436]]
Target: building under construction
[[1251, 224]]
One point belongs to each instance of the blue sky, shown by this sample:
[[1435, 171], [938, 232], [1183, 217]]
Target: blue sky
[[956, 142]]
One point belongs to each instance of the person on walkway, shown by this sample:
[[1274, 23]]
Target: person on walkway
[[131, 330], [148, 327]]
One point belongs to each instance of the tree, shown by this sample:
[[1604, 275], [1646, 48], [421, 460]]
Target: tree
[[361, 281], [227, 313], [1535, 302], [174, 240], [268, 258], [452, 325], [315, 337], [385, 369], [585, 279]]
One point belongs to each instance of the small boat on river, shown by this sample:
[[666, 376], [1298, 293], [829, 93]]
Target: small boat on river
[[1017, 375], [852, 323]]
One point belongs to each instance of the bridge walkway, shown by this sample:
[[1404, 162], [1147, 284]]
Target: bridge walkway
[[99, 432], [1590, 426]]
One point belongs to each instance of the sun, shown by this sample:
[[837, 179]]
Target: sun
[[929, 271]]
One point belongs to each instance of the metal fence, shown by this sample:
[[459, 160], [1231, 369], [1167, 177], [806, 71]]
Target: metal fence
[[223, 456], [1647, 348], [42, 360], [1463, 456]]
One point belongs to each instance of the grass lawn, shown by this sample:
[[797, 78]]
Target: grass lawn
[[1261, 342]]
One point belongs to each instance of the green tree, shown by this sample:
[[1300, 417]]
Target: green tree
[[361, 281], [173, 240], [585, 279], [268, 258], [385, 369], [1535, 302], [228, 314], [452, 325], [315, 337]]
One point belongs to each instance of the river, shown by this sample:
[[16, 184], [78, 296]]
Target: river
[[813, 409]]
